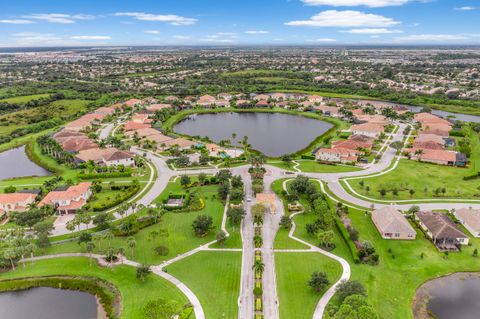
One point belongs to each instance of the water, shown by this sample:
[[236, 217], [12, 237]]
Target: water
[[273, 134], [453, 297], [444, 114], [47, 303], [15, 163]]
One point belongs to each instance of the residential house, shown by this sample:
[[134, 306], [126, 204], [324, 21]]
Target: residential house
[[181, 143], [338, 155], [278, 96], [437, 129], [315, 98], [328, 110], [368, 129], [133, 102], [68, 201], [224, 96], [206, 101], [262, 103], [442, 157], [428, 141], [442, 230], [391, 224], [470, 218], [171, 98], [15, 202], [106, 156], [105, 111], [260, 97], [157, 107]]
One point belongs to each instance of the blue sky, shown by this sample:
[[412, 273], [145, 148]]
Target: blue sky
[[239, 22]]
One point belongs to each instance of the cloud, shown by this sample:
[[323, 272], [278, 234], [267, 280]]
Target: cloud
[[181, 37], [257, 32], [168, 18], [220, 37], [17, 21], [431, 38], [372, 31], [151, 32], [344, 19], [59, 17], [354, 3], [35, 38], [323, 40], [91, 37], [465, 8]]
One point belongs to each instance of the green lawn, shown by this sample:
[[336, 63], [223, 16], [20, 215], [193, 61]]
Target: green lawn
[[24, 98], [311, 166], [215, 278], [123, 277], [178, 226], [423, 178], [392, 284], [297, 299]]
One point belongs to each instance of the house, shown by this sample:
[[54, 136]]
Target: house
[[470, 218], [76, 144], [391, 224], [260, 97], [442, 157], [206, 100], [437, 129], [106, 156], [171, 98], [366, 140], [368, 129], [262, 103], [132, 126], [84, 122], [338, 155], [105, 111], [222, 103], [375, 119], [157, 107], [441, 230], [428, 119], [68, 201], [428, 141], [278, 96], [224, 96], [315, 98], [133, 102], [242, 103], [15, 202], [141, 118], [328, 110], [352, 145], [181, 143]]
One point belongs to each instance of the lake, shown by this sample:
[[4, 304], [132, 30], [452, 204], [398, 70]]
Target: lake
[[452, 297], [47, 303], [15, 163], [273, 134]]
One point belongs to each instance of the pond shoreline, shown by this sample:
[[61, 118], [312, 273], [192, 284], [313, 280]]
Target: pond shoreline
[[423, 296]]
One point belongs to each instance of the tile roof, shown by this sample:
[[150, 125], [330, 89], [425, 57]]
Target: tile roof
[[390, 220], [440, 225]]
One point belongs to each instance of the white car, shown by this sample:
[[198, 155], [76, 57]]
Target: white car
[[249, 199]]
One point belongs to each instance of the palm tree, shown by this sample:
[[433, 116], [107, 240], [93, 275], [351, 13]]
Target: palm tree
[[132, 243], [259, 266], [90, 247], [121, 253], [108, 236]]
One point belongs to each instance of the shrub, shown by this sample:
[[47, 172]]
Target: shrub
[[162, 250]]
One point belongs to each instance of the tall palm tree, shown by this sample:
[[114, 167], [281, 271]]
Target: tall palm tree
[[259, 266]]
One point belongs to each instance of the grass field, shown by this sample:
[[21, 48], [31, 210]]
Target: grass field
[[24, 99], [423, 179], [297, 299], [214, 277], [123, 277], [178, 226], [312, 166], [392, 284]]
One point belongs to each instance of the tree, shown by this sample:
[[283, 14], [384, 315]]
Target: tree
[[11, 254], [102, 220], [258, 266], [236, 214], [161, 309], [223, 175], [142, 272], [90, 247], [348, 288], [223, 190], [202, 225], [29, 218], [326, 238], [475, 252], [318, 281], [202, 177], [185, 181], [131, 243], [236, 194], [258, 211], [10, 189], [84, 238], [398, 145], [286, 222], [221, 237], [257, 241]]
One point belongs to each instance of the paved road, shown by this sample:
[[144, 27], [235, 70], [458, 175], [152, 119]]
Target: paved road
[[105, 132], [247, 281]]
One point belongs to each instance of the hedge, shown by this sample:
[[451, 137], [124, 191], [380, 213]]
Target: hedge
[[351, 246], [470, 177], [116, 201], [103, 175], [138, 224], [105, 291], [308, 157]]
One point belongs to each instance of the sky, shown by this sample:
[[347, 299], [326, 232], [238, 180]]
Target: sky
[[26, 23]]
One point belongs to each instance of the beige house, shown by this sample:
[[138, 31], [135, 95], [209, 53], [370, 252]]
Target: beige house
[[391, 224], [470, 218], [68, 201], [15, 202]]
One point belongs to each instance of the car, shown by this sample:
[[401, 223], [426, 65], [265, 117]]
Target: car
[[249, 199]]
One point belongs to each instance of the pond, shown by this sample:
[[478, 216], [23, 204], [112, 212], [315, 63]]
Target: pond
[[15, 163], [452, 297], [48, 303], [273, 134]]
